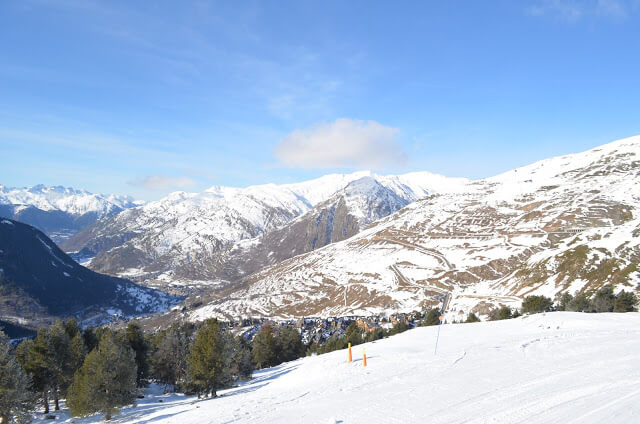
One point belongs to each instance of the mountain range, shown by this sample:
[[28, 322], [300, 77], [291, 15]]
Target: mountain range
[[58, 211], [362, 243], [565, 224]]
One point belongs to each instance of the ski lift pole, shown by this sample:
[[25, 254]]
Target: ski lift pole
[[441, 318]]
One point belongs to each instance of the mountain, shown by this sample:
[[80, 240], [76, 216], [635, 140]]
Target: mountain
[[201, 237], [58, 211], [569, 223], [39, 281]]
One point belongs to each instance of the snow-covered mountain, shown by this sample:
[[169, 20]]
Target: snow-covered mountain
[[59, 211], [570, 223], [39, 282], [193, 236]]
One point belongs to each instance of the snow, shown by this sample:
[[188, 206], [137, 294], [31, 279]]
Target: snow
[[5, 221], [546, 368], [70, 200]]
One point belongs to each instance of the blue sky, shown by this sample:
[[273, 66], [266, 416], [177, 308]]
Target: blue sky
[[145, 98]]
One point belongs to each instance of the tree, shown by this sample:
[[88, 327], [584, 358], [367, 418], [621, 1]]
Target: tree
[[579, 303], [289, 345], [625, 302], [536, 304], [90, 339], [169, 359], [604, 300], [503, 312], [106, 381], [472, 318], [398, 328], [35, 357], [432, 318], [14, 386], [139, 344], [354, 334], [206, 362], [241, 365], [264, 347], [564, 301]]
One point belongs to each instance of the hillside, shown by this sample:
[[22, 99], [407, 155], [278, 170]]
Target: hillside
[[59, 212], [39, 281], [192, 238], [560, 367], [569, 223]]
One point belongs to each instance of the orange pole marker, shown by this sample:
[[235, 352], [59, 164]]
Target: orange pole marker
[[350, 357], [364, 358]]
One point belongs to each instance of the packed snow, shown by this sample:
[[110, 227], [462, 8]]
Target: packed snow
[[546, 368]]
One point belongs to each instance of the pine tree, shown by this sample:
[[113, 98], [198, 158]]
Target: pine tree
[[206, 362], [604, 300], [535, 304], [564, 301], [14, 386], [472, 318], [432, 318], [106, 380], [354, 334], [263, 348], [169, 359], [35, 357], [289, 345], [503, 312], [139, 344], [579, 303], [625, 302]]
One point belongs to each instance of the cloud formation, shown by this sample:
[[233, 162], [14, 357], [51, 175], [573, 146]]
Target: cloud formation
[[163, 182], [344, 143]]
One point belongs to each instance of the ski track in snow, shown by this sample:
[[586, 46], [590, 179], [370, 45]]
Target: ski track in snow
[[578, 368]]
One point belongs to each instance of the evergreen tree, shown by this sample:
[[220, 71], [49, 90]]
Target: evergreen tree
[[61, 361], [263, 348], [604, 300], [14, 386], [35, 357], [564, 301], [472, 318], [139, 344], [399, 327], [169, 359], [503, 312], [72, 328], [354, 334], [106, 381], [432, 318], [625, 302], [377, 334], [289, 345], [535, 304], [241, 361], [90, 339], [206, 362], [579, 303]]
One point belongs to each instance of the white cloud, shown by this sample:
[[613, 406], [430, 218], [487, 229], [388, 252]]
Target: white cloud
[[344, 143], [163, 182]]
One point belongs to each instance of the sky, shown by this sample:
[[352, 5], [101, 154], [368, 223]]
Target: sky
[[145, 98]]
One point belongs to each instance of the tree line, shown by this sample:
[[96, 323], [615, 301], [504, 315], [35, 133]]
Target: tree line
[[101, 370]]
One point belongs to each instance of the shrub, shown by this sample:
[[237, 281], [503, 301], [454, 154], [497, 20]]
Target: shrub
[[535, 304]]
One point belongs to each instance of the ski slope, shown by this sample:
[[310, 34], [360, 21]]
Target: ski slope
[[546, 368]]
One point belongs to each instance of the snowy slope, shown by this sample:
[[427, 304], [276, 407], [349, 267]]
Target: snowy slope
[[194, 227], [560, 367], [58, 211], [570, 223]]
